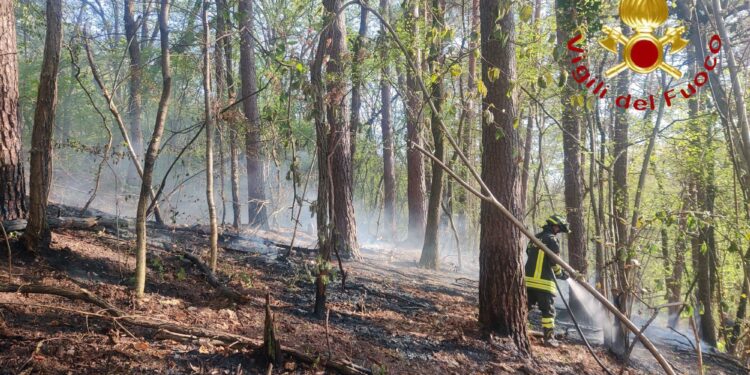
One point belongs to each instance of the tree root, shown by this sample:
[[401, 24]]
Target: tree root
[[174, 330]]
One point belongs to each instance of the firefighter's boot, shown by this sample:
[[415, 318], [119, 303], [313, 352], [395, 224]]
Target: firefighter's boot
[[549, 338]]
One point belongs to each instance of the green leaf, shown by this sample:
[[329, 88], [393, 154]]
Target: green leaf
[[526, 13], [481, 88], [455, 70], [493, 74]]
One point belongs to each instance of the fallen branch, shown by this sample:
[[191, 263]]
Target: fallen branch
[[176, 330], [305, 250], [214, 281], [72, 222]]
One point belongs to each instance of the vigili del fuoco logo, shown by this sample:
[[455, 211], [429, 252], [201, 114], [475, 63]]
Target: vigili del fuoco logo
[[643, 52]]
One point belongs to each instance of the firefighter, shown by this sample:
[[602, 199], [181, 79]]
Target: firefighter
[[541, 273]]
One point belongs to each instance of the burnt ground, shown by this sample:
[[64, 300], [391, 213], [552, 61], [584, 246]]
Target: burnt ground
[[392, 318]]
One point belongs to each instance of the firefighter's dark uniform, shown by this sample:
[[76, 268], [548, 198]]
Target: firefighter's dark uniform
[[540, 283]]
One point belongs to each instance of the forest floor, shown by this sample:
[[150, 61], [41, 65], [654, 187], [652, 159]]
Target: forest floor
[[392, 318]]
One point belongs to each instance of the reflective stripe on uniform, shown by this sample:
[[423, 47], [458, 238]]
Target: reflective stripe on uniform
[[548, 322], [541, 284], [539, 264]]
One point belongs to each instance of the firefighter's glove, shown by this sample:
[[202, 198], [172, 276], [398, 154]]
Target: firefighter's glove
[[579, 277]]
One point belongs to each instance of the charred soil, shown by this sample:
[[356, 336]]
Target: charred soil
[[388, 319]]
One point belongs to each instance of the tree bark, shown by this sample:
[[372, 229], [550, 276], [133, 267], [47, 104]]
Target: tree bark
[[255, 178], [135, 107], [210, 125], [12, 185], [344, 236], [223, 25], [565, 11], [322, 202], [502, 291], [334, 209], [414, 161], [620, 209], [741, 316], [430, 257], [152, 151], [389, 169], [359, 53], [37, 232]]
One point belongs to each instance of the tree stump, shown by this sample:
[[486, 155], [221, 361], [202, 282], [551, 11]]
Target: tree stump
[[270, 353]]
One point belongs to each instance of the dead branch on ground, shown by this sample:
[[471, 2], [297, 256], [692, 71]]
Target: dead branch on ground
[[175, 330], [214, 281]]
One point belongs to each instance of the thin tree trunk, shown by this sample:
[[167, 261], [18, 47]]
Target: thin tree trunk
[[414, 162], [502, 292], [223, 25], [389, 172], [135, 107], [255, 178], [565, 11], [153, 150], [430, 257], [322, 202], [359, 54], [210, 124], [37, 232], [219, 102], [620, 204], [741, 316], [739, 98], [12, 186]]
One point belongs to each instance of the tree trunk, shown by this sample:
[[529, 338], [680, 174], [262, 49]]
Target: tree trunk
[[210, 124], [152, 151], [37, 232], [699, 155], [12, 185], [255, 178], [135, 107], [334, 210], [740, 317], [344, 236], [565, 11], [359, 54], [739, 98], [322, 129], [462, 196], [620, 208], [225, 43], [502, 291], [431, 249], [389, 172], [414, 161]]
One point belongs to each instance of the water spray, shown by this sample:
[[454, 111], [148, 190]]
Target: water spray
[[578, 327]]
